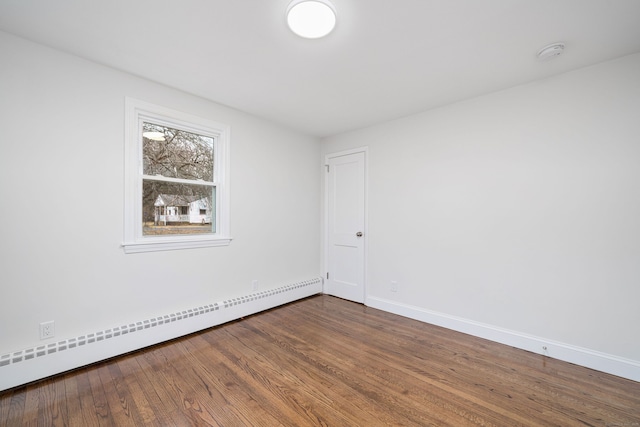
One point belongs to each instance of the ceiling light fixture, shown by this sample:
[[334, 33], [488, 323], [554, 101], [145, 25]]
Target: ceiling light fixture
[[550, 51], [155, 136], [311, 19]]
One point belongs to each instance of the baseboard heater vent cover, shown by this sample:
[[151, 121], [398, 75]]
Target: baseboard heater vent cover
[[154, 322]]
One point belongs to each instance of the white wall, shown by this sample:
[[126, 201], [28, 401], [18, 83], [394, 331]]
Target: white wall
[[61, 192], [517, 212]]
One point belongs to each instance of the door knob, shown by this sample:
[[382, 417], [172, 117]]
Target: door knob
[[359, 234]]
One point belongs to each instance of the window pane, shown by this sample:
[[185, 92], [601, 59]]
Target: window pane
[[176, 153], [170, 208]]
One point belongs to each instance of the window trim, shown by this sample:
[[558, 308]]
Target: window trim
[[137, 111]]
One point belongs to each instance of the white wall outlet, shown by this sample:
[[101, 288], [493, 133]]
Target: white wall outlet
[[394, 286], [254, 285], [47, 330]]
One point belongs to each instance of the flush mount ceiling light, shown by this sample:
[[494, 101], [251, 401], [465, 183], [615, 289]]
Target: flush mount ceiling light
[[155, 136], [550, 51], [311, 19]]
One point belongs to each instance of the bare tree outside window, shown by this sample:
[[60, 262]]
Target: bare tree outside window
[[176, 180], [178, 189]]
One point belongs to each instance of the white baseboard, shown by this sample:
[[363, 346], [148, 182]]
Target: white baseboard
[[599, 361], [25, 366]]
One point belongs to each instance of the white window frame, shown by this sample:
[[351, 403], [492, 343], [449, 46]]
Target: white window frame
[[136, 112]]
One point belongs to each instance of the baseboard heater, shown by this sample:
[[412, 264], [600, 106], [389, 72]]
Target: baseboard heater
[[24, 366]]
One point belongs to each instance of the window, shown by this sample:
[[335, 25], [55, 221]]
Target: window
[[176, 177]]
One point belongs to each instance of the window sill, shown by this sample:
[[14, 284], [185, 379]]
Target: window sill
[[155, 246]]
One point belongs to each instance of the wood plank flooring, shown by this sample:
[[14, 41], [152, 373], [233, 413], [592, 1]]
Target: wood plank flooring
[[323, 361]]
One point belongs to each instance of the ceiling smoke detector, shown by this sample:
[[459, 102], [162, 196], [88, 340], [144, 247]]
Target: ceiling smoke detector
[[550, 51]]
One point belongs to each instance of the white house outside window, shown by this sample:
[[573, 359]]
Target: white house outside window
[[176, 173]]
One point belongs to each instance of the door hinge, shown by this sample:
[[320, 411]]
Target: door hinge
[[327, 275], [327, 168]]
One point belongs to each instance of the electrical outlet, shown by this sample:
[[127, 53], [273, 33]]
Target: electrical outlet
[[254, 285], [394, 286], [47, 330]]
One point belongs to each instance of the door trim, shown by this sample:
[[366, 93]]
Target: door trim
[[325, 214]]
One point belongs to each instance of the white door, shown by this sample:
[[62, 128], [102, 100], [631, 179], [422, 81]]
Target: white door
[[345, 226]]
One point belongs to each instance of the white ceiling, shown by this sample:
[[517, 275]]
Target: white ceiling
[[386, 58]]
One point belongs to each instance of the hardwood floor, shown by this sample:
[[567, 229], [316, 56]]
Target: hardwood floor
[[328, 362]]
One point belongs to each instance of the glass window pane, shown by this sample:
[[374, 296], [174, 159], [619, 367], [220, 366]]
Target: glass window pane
[[176, 153], [169, 208]]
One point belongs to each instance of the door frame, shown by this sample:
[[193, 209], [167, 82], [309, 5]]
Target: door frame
[[325, 214]]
